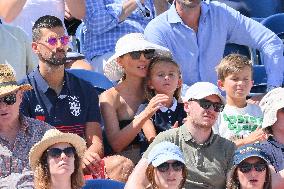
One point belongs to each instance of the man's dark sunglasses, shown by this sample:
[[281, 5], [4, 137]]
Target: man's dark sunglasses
[[247, 167], [56, 152], [206, 104], [148, 54], [9, 99], [177, 166]]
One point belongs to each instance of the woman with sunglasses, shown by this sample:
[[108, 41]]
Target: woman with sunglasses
[[56, 161], [250, 170], [166, 169], [120, 103]]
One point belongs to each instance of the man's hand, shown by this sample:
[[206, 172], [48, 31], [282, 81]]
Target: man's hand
[[255, 99], [91, 163]]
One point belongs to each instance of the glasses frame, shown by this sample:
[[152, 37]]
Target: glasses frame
[[247, 167], [62, 40], [9, 99], [148, 54], [206, 104], [56, 152], [176, 166]]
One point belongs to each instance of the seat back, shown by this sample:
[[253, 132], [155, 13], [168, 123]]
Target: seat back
[[98, 80], [80, 37], [260, 80], [103, 184], [235, 48]]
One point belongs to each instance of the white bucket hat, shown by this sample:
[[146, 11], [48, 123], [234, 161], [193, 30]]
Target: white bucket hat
[[270, 104], [201, 90], [128, 43]]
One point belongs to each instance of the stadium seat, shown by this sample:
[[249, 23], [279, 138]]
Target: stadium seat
[[260, 80], [98, 80], [235, 48], [103, 184], [80, 37]]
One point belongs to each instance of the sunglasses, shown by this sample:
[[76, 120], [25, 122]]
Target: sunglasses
[[56, 152], [247, 167], [148, 54], [9, 99], [206, 104], [177, 166], [64, 40]]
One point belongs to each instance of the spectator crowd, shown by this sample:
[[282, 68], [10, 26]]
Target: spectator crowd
[[177, 112]]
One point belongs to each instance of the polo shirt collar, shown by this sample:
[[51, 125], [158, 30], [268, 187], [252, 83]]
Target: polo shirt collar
[[41, 83], [173, 16], [172, 108], [188, 137]]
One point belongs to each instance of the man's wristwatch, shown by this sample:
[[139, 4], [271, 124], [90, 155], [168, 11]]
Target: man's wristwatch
[[144, 10]]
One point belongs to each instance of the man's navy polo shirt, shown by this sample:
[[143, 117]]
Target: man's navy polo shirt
[[69, 111]]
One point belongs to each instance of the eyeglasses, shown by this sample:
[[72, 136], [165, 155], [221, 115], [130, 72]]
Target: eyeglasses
[[148, 54], [177, 166], [206, 104], [9, 99], [64, 40], [56, 152], [247, 167]]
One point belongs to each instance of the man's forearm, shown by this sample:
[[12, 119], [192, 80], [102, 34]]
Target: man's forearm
[[77, 8], [10, 9]]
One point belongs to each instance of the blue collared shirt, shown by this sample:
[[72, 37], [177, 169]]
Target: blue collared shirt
[[69, 111], [199, 53], [102, 28]]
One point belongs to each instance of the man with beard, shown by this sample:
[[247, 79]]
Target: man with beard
[[196, 33], [58, 97], [208, 156]]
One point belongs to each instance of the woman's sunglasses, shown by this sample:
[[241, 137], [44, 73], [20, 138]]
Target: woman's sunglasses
[[206, 104], [247, 167], [177, 166], [9, 99], [148, 54], [64, 40], [56, 152]]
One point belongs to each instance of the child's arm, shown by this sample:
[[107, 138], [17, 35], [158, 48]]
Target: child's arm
[[149, 131], [257, 135]]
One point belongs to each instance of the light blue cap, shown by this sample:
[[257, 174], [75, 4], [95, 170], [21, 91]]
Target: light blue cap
[[163, 152]]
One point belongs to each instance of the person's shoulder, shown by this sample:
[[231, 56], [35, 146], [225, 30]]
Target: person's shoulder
[[35, 125], [110, 95], [79, 83], [15, 31], [224, 143]]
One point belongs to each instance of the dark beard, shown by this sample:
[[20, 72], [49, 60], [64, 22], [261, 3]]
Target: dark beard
[[53, 60]]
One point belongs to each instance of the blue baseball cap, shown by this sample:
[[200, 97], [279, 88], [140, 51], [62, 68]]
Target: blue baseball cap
[[249, 150], [163, 152]]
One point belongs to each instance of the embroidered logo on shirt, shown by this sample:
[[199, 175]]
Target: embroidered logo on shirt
[[39, 109], [75, 106]]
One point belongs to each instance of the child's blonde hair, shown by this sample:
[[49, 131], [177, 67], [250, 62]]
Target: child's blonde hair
[[232, 63], [160, 57]]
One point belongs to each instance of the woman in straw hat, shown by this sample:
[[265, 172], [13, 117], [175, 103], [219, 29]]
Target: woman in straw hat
[[120, 103], [166, 168], [56, 161]]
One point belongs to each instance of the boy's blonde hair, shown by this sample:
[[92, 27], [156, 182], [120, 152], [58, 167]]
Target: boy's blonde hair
[[233, 63]]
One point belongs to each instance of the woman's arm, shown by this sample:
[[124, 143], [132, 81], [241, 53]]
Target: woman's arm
[[10, 9], [149, 131], [121, 138]]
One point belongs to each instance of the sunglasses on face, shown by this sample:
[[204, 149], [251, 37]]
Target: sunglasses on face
[[56, 152], [64, 40], [177, 166], [247, 167], [9, 99], [206, 104], [148, 54]]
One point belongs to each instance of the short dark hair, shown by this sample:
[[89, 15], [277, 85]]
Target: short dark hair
[[46, 21]]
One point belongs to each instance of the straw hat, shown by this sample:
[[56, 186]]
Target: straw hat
[[128, 43], [270, 104], [54, 136], [8, 83]]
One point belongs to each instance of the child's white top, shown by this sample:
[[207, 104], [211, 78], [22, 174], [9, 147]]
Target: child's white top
[[237, 123]]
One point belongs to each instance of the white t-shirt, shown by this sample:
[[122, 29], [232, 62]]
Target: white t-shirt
[[237, 123], [33, 9]]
